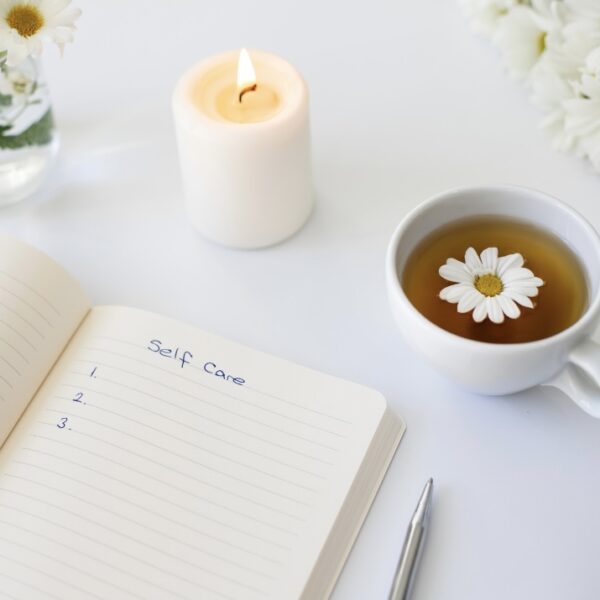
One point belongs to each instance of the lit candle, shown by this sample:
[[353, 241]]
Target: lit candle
[[243, 137]]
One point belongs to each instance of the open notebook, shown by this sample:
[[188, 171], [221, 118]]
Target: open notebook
[[143, 458]]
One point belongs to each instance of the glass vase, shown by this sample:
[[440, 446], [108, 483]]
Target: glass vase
[[28, 140]]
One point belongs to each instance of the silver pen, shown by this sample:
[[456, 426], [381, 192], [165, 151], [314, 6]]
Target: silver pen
[[413, 544]]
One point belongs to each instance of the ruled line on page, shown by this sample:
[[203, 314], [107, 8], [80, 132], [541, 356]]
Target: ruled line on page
[[181, 456], [131, 538], [6, 381], [258, 391], [170, 485], [187, 442], [272, 412], [10, 365], [20, 316], [155, 496], [78, 568], [194, 429], [143, 526], [108, 546], [90, 556], [29, 585], [32, 290], [189, 476], [212, 452], [203, 400], [5, 594], [20, 334], [215, 421], [202, 481], [52, 576], [210, 388], [92, 594], [121, 534], [225, 560], [28, 305], [15, 350]]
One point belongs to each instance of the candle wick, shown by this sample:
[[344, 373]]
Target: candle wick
[[249, 88]]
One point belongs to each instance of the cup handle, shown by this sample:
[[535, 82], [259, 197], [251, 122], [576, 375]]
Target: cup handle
[[583, 390]]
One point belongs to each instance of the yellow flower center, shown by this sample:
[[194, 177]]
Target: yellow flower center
[[25, 18], [542, 43], [489, 284]]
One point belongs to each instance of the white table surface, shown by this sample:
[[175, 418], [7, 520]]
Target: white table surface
[[406, 101]]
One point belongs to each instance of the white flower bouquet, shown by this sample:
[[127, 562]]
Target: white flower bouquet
[[28, 139], [554, 46], [25, 25]]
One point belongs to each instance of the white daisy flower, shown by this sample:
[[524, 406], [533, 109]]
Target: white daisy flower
[[489, 285], [586, 9], [485, 15], [17, 84], [553, 78], [583, 112], [26, 24], [522, 35]]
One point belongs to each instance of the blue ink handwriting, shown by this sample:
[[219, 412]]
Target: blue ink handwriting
[[183, 356]]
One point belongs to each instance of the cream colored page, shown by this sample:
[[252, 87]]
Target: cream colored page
[[161, 462], [41, 306]]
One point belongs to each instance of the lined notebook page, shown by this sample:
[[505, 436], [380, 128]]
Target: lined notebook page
[[162, 462], [41, 306]]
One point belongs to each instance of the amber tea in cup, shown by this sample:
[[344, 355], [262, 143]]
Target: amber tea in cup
[[560, 301]]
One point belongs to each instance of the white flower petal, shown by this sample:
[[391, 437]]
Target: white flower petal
[[66, 18], [459, 265], [517, 37], [469, 300], [493, 309], [509, 262], [517, 274], [525, 283], [16, 53], [519, 298], [509, 307], [489, 258], [52, 7], [486, 14], [523, 290], [480, 312], [454, 273], [453, 293], [528, 287], [472, 260]]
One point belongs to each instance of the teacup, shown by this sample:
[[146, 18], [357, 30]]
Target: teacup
[[569, 360]]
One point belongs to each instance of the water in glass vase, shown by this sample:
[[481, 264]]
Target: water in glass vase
[[28, 141]]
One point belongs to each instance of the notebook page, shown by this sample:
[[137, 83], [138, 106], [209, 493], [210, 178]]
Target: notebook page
[[41, 306], [160, 462]]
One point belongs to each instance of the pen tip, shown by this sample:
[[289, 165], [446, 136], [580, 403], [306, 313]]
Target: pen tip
[[422, 509], [428, 487]]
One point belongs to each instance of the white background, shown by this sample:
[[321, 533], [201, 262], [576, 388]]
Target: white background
[[406, 102]]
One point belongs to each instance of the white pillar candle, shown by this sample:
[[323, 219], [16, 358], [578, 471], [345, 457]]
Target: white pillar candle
[[244, 148]]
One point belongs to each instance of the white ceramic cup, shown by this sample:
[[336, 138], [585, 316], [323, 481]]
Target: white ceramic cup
[[569, 360]]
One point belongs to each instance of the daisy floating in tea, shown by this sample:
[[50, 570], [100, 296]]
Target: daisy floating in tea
[[490, 286]]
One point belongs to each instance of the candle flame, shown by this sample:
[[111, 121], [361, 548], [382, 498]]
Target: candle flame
[[246, 76]]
